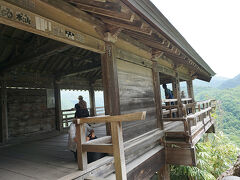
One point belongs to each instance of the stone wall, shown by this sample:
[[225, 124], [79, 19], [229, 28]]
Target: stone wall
[[28, 112]]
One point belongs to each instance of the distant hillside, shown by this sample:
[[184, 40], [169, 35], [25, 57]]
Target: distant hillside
[[231, 83], [228, 111], [215, 82], [70, 98]]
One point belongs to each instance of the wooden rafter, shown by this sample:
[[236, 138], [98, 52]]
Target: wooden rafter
[[100, 3], [129, 26], [104, 12], [9, 40], [46, 50], [79, 71]]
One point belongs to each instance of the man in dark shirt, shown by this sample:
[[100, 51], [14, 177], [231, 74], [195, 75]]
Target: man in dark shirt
[[81, 108], [168, 92]]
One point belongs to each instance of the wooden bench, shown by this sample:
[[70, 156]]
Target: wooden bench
[[109, 144]]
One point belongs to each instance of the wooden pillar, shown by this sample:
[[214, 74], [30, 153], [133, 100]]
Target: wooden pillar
[[164, 173], [58, 113], [92, 101], [178, 95], [3, 114], [174, 89], [118, 151], [110, 83], [81, 139], [157, 95], [190, 89]]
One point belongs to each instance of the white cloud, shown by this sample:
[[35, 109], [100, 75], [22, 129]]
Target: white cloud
[[212, 27]]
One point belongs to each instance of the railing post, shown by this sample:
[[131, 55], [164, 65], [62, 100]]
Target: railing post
[[118, 151], [80, 139]]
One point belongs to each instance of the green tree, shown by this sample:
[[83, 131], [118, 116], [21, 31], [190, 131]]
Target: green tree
[[215, 154]]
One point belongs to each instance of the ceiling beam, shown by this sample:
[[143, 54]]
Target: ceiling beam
[[33, 54], [9, 40], [79, 71]]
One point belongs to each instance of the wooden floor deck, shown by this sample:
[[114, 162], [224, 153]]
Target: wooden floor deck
[[48, 158], [45, 159]]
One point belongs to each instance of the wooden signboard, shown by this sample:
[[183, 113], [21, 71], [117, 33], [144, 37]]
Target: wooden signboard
[[20, 18]]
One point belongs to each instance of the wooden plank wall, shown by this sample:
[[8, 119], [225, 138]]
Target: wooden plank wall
[[28, 113], [136, 94]]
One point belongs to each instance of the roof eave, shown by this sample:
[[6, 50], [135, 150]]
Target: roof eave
[[153, 16]]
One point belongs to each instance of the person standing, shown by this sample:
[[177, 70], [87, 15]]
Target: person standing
[[183, 95], [168, 92], [81, 108]]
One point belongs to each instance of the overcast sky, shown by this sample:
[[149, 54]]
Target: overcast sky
[[212, 27]]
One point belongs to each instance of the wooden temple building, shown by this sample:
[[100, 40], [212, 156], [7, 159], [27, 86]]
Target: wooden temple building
[[125, 48]]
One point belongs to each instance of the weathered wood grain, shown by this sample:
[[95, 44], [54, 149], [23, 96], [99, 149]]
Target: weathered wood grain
[[3, 113], [136, 94], [181, 156], [28, 112]]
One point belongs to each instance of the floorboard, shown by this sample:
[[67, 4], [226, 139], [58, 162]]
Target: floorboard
[[45, 159]]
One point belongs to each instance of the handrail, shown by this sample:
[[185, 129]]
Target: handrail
[[191, 119], [108, 119], [175, 100], [68, 115], [114, 147]]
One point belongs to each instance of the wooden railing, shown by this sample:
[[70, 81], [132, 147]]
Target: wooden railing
[[109, 144], [171, 108], [68, 115], [193, 114]]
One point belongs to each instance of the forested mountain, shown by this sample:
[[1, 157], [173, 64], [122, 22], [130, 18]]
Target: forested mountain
[[231, 83], [228, 110], [215, 82]]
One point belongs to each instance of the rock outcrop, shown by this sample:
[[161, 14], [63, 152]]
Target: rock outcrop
[[233, 173]]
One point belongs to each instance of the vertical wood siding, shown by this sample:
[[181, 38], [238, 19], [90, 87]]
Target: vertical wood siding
[[136, 94]]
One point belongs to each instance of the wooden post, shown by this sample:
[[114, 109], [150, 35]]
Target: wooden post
[[58, 114], [190, 90], [3, 114], [118, 151], [178, 95], [80, 139], [164, 173], [157, 94], [110, 83], [174, 89], [92, 101]]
